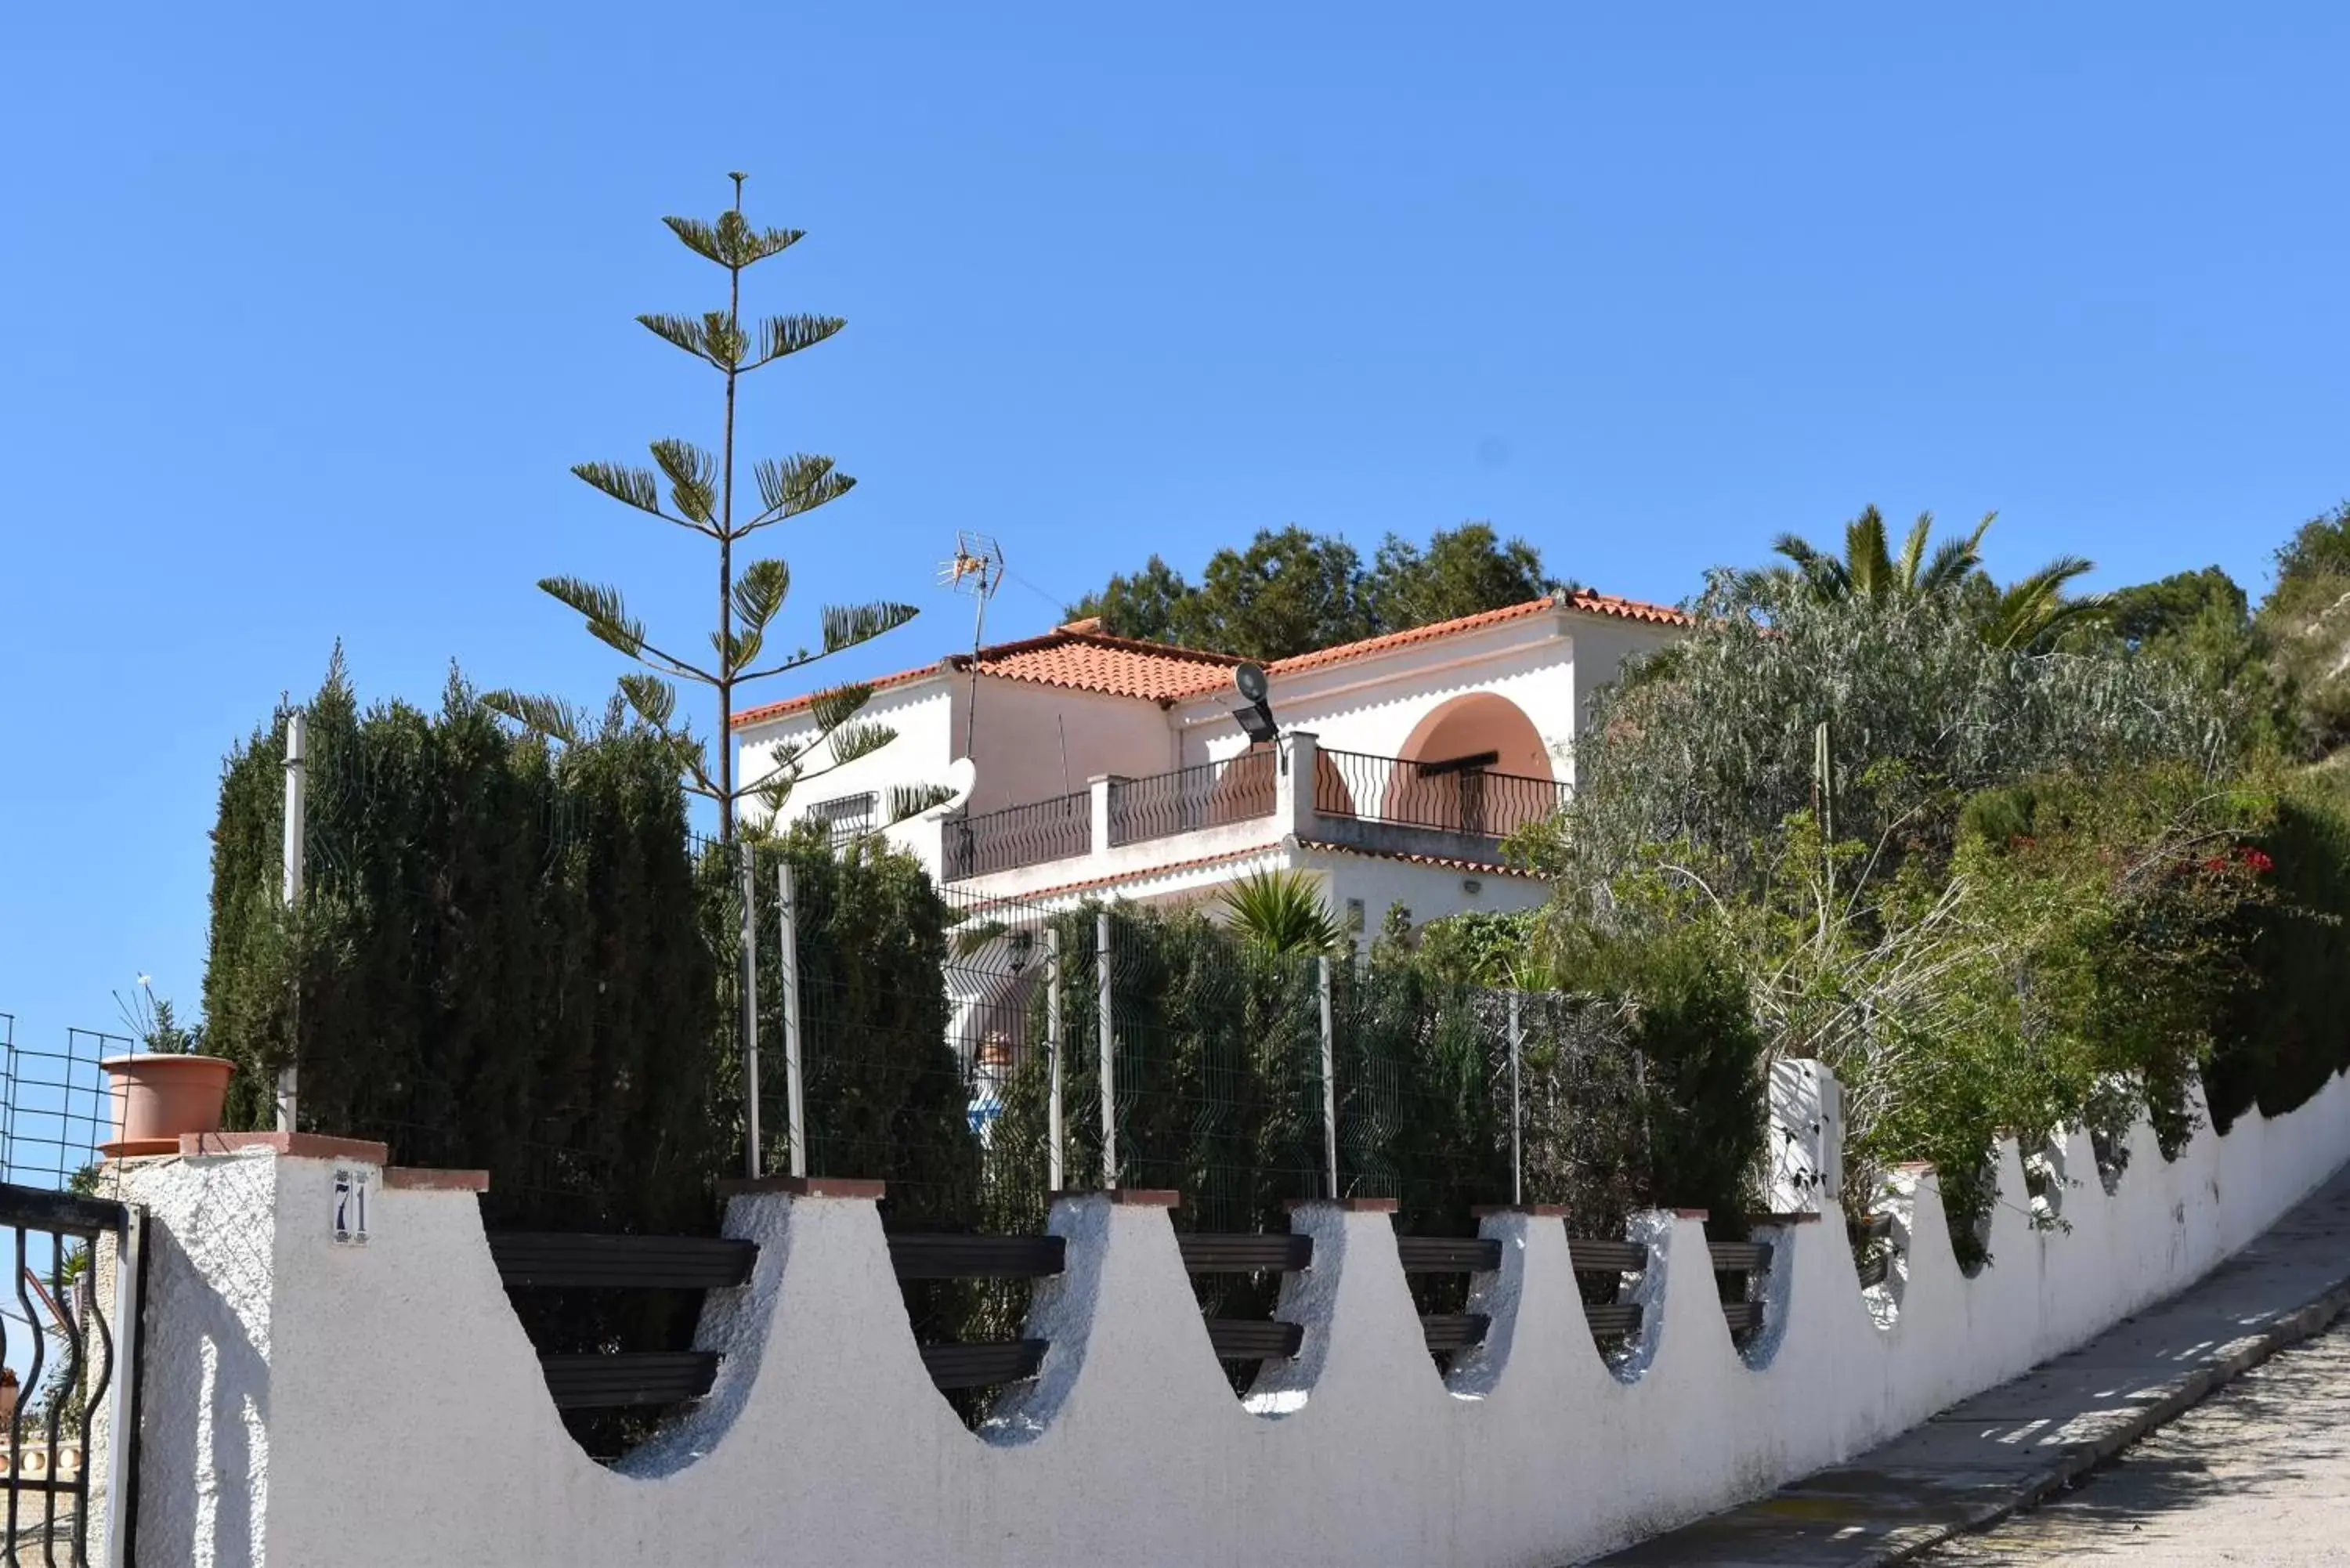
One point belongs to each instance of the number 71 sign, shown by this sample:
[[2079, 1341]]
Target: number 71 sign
[[354, 1192]]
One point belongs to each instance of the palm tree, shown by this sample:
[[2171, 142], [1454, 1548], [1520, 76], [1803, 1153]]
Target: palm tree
[[1282, 912], [1868, 569], [2026, 615]]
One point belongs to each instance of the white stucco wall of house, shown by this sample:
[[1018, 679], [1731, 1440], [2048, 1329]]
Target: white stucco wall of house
[[1430, 892], [923, 714], [1601, 648], [322, 1406]]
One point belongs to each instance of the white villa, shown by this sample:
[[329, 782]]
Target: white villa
[[1104, 767]]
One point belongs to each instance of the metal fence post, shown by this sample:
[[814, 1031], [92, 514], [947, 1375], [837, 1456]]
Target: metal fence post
[[1329, 1082], [794, 1090], [297, 739], [1517, 1102], [1053, 1174], [1109, 1064], [128, 1338], [748, 1011]]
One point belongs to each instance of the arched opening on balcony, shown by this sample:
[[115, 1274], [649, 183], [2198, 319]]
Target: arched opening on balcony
[[1474, 765]]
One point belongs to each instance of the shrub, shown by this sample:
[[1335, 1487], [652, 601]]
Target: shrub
[[1699, 1093], [1713, 741], [495, 963], [2285, 1029], [886, 1096]]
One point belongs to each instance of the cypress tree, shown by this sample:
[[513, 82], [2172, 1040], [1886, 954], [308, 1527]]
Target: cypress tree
[[495, 961]]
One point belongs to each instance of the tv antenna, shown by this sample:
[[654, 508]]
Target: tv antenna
[[976, 570]]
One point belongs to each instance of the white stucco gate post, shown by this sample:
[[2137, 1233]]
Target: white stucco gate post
[[1807, 1142]]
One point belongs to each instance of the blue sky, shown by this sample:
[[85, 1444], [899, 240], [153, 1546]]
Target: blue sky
[[310, 307]]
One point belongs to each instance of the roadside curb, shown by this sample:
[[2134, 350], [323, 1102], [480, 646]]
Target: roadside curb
[[2305, 1322]]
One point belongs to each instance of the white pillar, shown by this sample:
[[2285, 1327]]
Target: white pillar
[[1056, 1176], [1329, 1081], [1292, 787], [1806, 1150], [748, 980], [1100, 786], [1105, 1000], [788, 951], [298, 733]]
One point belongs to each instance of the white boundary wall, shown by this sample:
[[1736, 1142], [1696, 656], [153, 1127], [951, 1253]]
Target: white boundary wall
[[314, 1405]]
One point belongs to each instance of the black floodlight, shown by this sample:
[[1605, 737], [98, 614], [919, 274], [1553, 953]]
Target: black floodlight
[[1255, 715]]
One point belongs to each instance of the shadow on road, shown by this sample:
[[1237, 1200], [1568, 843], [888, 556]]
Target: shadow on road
[[2257, 1474]]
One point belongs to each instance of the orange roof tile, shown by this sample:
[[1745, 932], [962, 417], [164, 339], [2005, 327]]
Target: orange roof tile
[[1582, 600], [1084, 659], [1081, 657], [761, 715], [1078, 657]]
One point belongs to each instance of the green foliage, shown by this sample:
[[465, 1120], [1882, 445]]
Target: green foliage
[[2026, 614], [1217, 1045], [2306, 626], [1292, 591], [152, 1022], [507, 958], [1644, 1090], [2150, 614], [1717, 748], [2282, 1034], [1480, 948], [494, 964], [1282, 912], [2065, 961], [700, 490], [1464, 571], [886, 1096], [1699, 1098], [1288, 593], [2318, 548], [1143, 604], [2303, 627], [2198, 624], [1869, 570]]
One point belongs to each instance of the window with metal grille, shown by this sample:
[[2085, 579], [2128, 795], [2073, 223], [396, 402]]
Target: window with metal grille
[[844, 816]]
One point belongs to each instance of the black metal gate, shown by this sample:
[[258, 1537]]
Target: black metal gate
[[66, 1416]]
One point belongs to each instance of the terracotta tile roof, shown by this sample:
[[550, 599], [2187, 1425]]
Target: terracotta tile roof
[[1078, 657], [1081, 657], [1582, 600], [760, 715], [1084, 658]]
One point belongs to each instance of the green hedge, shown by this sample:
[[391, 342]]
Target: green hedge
[[1644, 1089], [2286, 1030], [886, 1096], [496, 964]]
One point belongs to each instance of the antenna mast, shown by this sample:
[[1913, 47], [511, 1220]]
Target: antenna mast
[[977, 569]]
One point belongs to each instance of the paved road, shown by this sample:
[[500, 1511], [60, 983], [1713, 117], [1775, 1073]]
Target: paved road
[[2026, 1438], [2259, 1473]]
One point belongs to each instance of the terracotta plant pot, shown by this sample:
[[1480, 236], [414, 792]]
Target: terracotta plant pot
[[157, 1097]]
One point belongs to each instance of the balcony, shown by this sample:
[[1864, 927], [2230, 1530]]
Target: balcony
[[1457, 807]]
